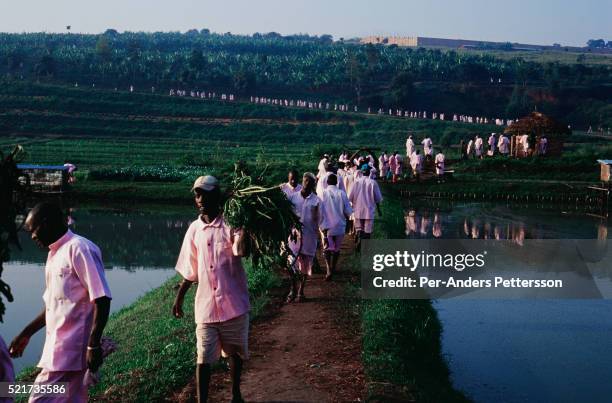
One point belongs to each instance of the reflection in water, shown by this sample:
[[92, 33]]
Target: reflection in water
[[550, 350], [476, 221], [139, 250], [128, 240]]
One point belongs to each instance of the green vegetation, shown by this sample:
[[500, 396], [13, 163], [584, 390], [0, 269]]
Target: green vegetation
[[315, 67], [402, 338], [152, 147], [156, 356]]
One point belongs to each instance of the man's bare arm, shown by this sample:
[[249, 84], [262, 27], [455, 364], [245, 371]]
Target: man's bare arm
[[101, 312], [94, 349], [20, 342], [177, 308]]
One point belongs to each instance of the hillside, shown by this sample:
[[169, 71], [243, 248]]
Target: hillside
[[475, 83]]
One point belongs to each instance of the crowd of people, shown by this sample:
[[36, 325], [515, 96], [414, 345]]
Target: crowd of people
[[526, 144], [338, 198], [339, 107], [342, 197]]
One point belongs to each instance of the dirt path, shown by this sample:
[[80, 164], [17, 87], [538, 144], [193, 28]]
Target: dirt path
[[305, 352]]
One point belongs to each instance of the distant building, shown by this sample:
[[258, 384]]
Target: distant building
[[421, 41]]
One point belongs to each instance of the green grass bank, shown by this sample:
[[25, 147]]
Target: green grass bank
[[402, 350], [156, 352]]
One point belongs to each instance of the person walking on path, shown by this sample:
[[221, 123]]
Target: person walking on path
[[7, 373], [211, 256], [304, 245], [292, 185], [416, 163], [439, 161], [77, 304], [409, 146], [335, 211], [365, 197]]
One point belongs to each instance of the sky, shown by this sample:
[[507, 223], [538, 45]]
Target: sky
[[569, 22]]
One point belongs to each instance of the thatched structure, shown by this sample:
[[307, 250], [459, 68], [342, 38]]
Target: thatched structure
[[533, 127]]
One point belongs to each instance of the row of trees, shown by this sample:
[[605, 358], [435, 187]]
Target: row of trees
[[297, 65], [269, 61], [599, 44]]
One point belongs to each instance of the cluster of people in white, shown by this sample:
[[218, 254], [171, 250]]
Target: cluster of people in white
[[500, 143], [329, 204], [202, 94]]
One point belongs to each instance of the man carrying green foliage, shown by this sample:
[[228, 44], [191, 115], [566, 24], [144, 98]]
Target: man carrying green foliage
[[211, 256]]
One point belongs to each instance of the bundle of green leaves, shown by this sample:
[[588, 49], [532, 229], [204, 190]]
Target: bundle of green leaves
[[265, 214]]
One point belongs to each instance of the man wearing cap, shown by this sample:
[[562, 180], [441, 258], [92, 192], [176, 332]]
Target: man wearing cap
[[365, 196], [77, 304], [211, 256]]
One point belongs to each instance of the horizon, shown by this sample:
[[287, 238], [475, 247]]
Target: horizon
[[547, 22], [250, 34]]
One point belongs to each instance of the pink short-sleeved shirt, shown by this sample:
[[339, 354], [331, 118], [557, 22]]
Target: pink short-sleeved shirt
[[308, 211], [364, 196], [74, 278], [208, 257], [335, 207], [288, 189], [7, 373], [322, 183]]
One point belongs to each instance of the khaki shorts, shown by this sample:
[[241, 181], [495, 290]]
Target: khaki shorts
[[223, 338]]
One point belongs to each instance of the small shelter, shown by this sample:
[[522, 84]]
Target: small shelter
[[526, 135], [46, 178]]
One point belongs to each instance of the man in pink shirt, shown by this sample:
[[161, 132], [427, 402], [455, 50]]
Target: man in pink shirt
[[304, 249], [292, 185], [335, 211], [365, 196], [77, 304], [211, 256], [7, 374]]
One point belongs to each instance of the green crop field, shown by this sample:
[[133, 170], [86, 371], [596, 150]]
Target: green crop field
[[119, 140]]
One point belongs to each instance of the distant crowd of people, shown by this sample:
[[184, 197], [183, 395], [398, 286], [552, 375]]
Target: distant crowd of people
[[339, 107]]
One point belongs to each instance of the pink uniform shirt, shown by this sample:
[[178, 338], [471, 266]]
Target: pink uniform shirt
[[308, 211], [364, 196], [208, 257], [335, 208], [322, 183], [74, 277], [287, 189], [440, 163], [7, 373]]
